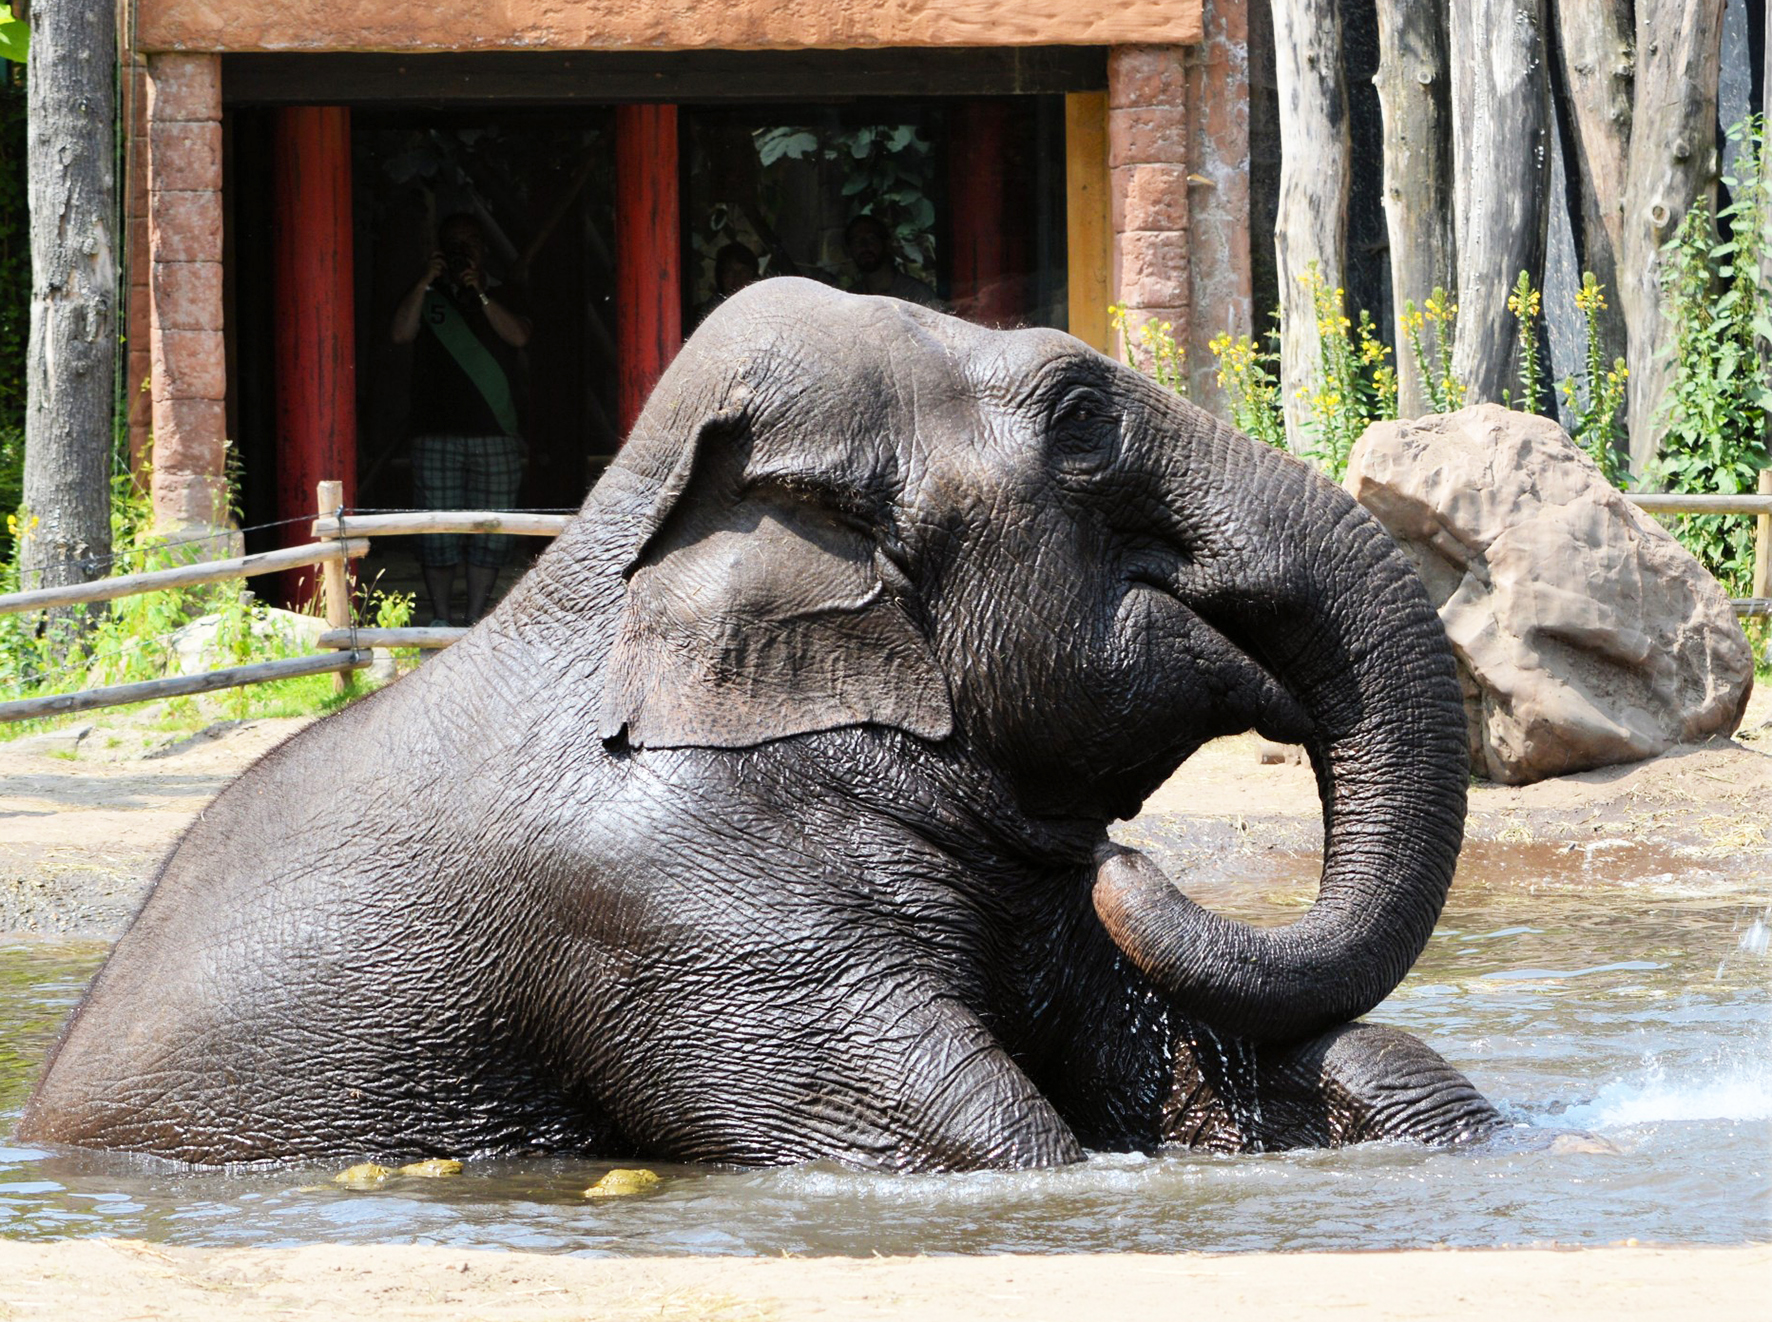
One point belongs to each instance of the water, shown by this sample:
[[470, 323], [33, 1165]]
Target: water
[[1617, 991]]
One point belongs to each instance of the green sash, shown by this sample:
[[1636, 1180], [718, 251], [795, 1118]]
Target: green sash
[[473, 357]]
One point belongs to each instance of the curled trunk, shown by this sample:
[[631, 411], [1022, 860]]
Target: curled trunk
[[1317, 592]]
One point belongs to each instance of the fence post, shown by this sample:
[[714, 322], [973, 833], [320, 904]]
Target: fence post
[[335, 583], [1763, 542]]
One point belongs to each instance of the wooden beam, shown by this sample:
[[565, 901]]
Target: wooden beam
[[615, 25], [599, 78], [446, 521], [1676, 502], [315, 326], [648, 253], [421, 638], [184, 576], [179, 686], [1088, 227]]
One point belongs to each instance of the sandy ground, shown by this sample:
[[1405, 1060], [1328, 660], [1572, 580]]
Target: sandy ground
[[86, 813], [123, 1280]]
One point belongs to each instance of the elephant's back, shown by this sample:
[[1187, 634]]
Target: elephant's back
[[313, 934]]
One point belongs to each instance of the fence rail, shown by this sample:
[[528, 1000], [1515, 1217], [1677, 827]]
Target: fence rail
[[341, 536]]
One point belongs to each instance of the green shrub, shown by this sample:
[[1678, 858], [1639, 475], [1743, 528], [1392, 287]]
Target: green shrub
[[1718, 403]]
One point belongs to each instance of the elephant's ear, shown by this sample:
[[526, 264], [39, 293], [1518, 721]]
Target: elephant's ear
[[760, 611]]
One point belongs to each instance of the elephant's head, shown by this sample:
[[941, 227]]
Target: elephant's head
[[858, 512]]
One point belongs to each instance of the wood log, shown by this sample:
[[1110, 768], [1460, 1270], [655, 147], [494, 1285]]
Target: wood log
[[1315, 165], [429, 639], [1672, 158], [335, 583], [184, 576], [1414, 97], [1596, 51], [1679, 502], [179, 686], [71, 358], [445, 521], [1501, 163], [1762, 586]]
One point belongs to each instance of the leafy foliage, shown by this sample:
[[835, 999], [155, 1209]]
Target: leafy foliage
[[1596, 398], [1250, 379], [1525, 303], [1353, 387], [888, 170], [1427, 331], [1720, 400], [1165, 360], [15, 36]]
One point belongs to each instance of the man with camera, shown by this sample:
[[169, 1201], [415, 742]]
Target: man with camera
[[467, 450]]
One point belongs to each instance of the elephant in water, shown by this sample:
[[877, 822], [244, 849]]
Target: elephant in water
[[766, 819]]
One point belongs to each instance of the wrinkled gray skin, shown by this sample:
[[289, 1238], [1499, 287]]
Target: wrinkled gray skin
[[764, 821]]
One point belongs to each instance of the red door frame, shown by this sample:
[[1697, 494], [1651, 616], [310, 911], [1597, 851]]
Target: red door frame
[[315, 334], [648, 253]]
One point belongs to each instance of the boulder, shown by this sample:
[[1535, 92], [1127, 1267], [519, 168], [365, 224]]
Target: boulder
[[1586, 635]]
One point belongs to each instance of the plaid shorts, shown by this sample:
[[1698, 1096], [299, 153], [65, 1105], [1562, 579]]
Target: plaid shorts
[[466, 472]]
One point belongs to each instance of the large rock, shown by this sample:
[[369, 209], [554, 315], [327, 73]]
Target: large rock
[[1586, 635]]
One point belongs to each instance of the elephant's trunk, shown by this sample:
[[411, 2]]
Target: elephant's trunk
[[1315, 590]]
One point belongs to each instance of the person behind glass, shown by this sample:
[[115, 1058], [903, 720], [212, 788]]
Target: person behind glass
[[735, 266], [869, 245], [467, 450]]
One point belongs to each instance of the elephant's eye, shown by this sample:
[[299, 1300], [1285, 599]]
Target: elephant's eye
[[1085, 430]]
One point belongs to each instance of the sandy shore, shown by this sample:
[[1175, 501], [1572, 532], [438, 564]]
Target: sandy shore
[[122, 1280]]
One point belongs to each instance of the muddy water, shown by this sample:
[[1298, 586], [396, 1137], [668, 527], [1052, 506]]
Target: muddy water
[[1611, 989]]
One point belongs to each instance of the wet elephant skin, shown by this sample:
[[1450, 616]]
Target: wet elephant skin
[[765, 819]]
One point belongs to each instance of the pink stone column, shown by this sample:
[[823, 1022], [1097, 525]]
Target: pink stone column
[[1218, 174], [1148, 142], [189, 363]]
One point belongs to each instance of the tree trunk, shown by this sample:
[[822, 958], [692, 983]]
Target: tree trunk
[[1501, 161], [70, 366], [1311, 225], [1765, 337], [1597, 51], [1414, 90], [1672, 159]]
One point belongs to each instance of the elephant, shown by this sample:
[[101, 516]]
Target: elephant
[[766, 819]]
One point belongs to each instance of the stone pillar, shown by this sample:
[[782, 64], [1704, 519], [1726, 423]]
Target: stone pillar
[[1148, 141], [1218, 201], [189, 364]]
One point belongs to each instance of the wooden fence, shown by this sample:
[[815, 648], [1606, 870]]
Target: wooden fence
[[341, 537]]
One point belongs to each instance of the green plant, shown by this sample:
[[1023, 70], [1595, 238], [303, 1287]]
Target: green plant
[[887, 169], [1353, 387], [1250, 381], [133, 637], [1526, 303], [1427, 331], [1596, 396], [1165, 360], [1718, 402]]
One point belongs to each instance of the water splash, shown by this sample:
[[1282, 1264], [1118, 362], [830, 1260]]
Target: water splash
[[1736, 1088]]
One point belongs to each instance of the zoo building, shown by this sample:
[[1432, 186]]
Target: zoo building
[[1029, 164]]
